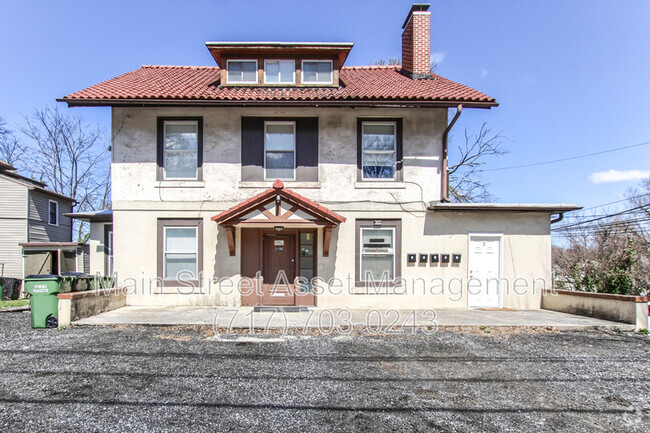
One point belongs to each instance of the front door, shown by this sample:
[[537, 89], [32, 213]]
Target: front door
[[279, 270], [484, 271]]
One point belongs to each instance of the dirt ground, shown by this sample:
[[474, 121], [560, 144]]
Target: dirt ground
[[155, 379]]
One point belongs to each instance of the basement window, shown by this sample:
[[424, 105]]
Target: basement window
[[317, 72], [242, 71]]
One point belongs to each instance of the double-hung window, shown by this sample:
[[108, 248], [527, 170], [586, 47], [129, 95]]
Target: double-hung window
[[53, 213], [181, 149], [317, 72], [279, 71], [180, 253], [377, 254], [242, 71], [379, 150], [279, 150]]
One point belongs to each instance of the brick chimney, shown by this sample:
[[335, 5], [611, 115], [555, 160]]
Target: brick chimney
[[416, 41]]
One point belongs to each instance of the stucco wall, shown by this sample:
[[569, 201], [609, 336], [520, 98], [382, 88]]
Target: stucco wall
[[134, 156], [526, 260], [96, 248], [626, 309]]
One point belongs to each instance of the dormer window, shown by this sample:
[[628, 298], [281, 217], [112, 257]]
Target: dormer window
[[317, 72], [242, 71], [279, 71]]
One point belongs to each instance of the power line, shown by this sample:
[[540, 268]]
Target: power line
[[601, 218], [565, 159], [617, 201]]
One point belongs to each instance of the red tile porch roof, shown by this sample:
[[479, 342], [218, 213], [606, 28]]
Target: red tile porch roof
[[278, 189], [360, 85]]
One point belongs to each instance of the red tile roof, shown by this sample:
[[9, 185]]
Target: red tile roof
[[265, 196], [359, 85]]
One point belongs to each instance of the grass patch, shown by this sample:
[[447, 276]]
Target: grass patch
[[16, 303]]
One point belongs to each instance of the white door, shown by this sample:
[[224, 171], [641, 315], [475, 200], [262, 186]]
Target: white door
[[484, 277]]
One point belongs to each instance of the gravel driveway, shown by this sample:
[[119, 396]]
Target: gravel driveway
[[181, 379]]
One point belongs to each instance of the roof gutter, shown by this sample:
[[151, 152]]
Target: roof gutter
[[445, 156], [268, 103]]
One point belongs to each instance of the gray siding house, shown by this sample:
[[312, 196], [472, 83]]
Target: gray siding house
[[35, 233]]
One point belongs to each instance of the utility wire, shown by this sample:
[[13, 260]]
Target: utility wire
[[602, 217], [564, 159]]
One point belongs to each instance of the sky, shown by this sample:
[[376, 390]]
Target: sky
[[571, 78]]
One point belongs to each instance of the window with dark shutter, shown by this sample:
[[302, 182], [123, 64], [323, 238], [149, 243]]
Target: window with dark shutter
[[304, 157]]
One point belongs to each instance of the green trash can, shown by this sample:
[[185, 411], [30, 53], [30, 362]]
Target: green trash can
[[43, 302]]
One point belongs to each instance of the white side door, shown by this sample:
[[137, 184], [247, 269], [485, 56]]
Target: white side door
[[484, 265]]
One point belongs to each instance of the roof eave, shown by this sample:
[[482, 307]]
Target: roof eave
[[87, 102], [503, 207]]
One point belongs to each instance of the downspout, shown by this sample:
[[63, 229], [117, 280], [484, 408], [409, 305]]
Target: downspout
[[559, 218], [445, 156]]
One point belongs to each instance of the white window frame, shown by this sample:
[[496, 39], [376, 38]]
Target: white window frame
[[242, 82], [394, 152], [49, 212], [293, 76], [362, 276], [109, 252], [281, 122], [165, 252], [302, 72], [180, 122]]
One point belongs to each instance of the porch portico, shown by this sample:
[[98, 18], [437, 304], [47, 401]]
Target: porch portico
[[281, 236]]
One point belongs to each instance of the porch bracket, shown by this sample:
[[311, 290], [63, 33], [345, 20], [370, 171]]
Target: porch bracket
[[327, 236], [230, 236]]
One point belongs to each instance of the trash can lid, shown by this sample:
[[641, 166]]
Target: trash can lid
[[74, 274], [42, 276]]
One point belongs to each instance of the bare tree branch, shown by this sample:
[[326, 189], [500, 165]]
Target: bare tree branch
[[465, 184], [71, 157]]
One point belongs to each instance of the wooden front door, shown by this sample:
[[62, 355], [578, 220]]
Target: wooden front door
[[279, 269]]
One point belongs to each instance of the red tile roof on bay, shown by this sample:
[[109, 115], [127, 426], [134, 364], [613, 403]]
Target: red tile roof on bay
[[359, 85]]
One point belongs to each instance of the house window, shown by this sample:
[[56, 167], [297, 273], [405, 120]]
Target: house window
[[317, 72], [279, 150], [378, 251], [180, 256], [242, 71], [279, 71], [53, 213], [181, 253], [180, 148], [379, 150]]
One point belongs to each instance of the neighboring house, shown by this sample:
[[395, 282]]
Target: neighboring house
[[35, 235], [280, 164]]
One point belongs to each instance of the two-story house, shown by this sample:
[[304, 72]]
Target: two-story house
[[35, 233], [282, 177]]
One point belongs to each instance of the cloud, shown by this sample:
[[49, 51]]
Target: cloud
[[483, 72], [611, 176], [438, 58]]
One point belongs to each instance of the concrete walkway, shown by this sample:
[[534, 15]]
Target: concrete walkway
[[326, 318]]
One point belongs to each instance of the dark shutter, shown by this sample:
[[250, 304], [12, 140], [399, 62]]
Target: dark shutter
[[252, 148], [307, 149]]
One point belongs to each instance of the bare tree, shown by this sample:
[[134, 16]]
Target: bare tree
[[389, 61], [11, 149], [607, 253], [465, 183], [71, 157]]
